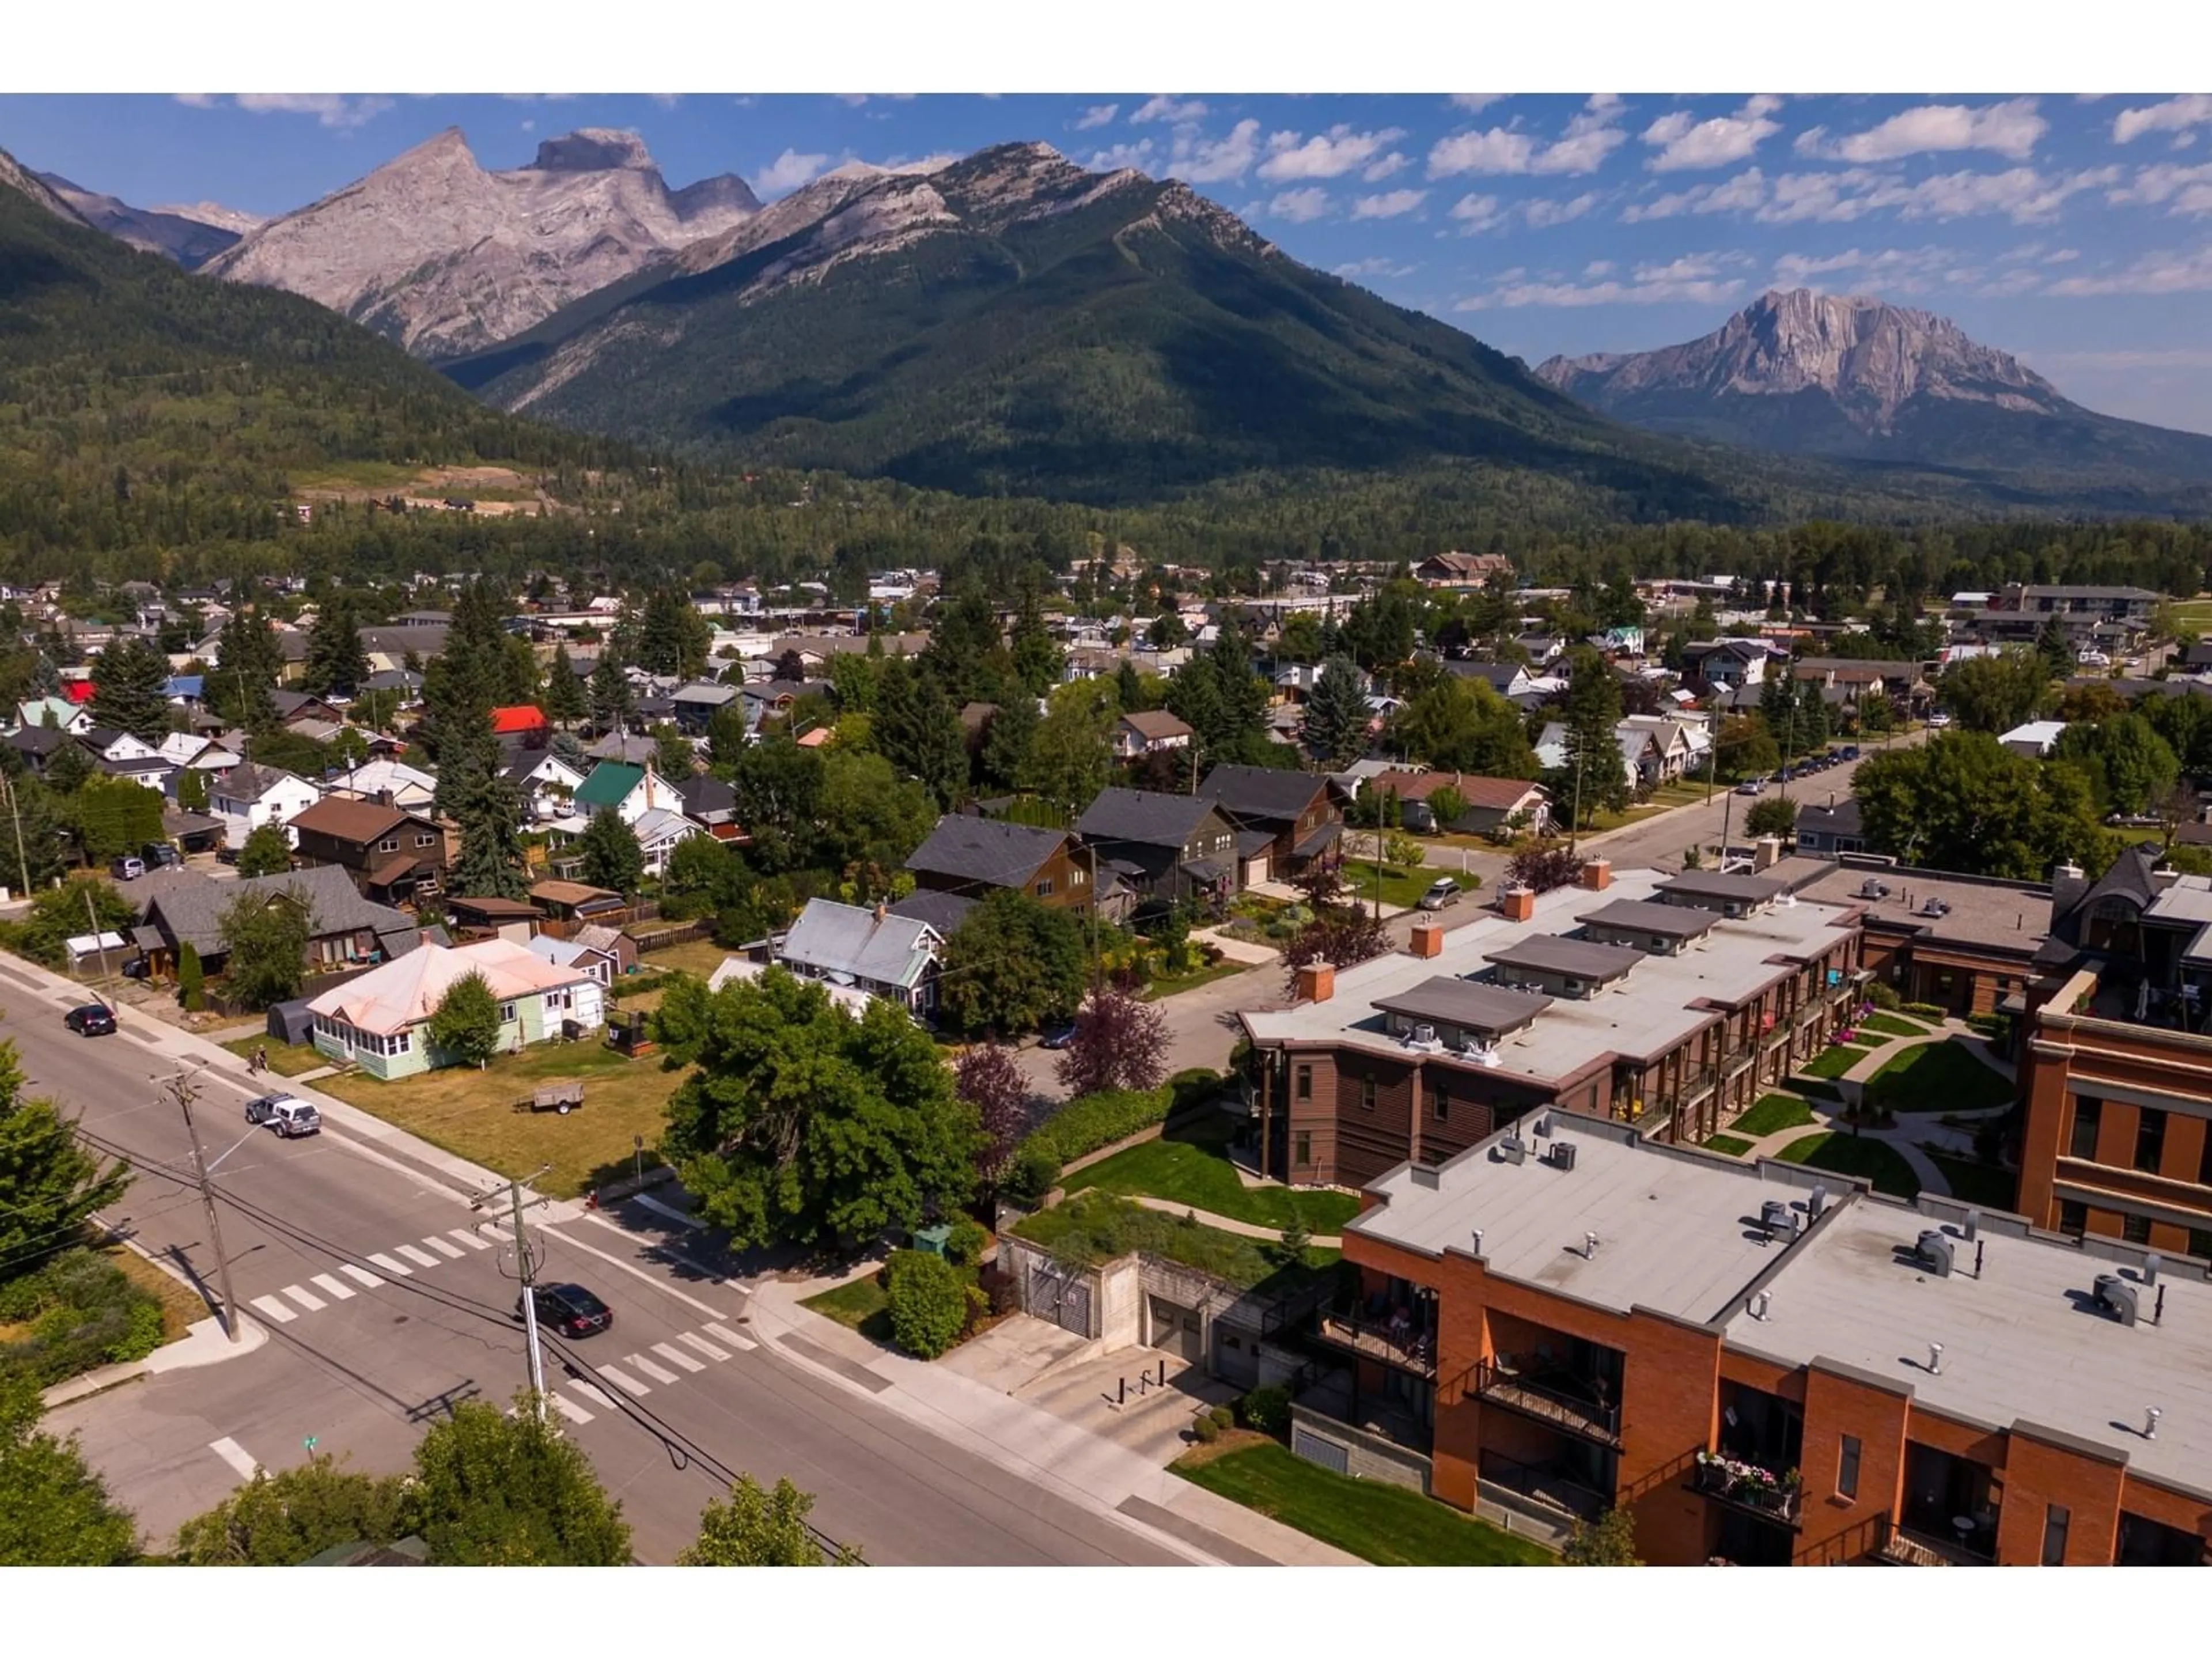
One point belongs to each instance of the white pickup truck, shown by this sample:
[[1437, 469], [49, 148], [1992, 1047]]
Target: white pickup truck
[[287, 1115]]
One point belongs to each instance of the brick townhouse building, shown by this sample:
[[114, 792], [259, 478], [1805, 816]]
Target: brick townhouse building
[[1672, 1001], [1766, 1364]]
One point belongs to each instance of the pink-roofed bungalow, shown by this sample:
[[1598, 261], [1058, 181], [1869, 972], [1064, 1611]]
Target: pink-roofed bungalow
[[379, 1021]]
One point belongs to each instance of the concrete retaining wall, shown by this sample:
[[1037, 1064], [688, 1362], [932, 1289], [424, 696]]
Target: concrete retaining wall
[[1367, 1455]]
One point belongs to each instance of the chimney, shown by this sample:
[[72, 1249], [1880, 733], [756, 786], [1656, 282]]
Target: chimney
[[1597, 874], [1428, 939], [1517, 903], [1316, 982], [882, 911]]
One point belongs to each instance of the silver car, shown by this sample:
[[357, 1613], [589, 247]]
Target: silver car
[[287, 1115], [1442, 892]]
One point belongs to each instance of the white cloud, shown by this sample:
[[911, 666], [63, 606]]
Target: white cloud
[[2176, 189], [1394, 162], [1113, 160], [1599, 268], [1328, 155], [1589, 137], [1477, 214], [1495, 151], [788, 172], [1389, 205], [1542, 213], [1097, 115], [1473, 102], [2167, 271], [1650, 285], [1375, 265], [2011, 128], [1164, 107], [1746, 190], [857, 99], [2063, 256], [1895, 269], [2022, 194], [666, 100], [1300, 206], [1685, 143], [530, 126], [329, 109], [2174, 115], [198, 100], [1210, 161]]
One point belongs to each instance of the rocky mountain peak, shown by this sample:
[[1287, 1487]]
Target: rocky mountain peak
[[592, 149], [14, 175]]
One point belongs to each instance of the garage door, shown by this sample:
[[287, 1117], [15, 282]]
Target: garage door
[[1175, 1329], [1255, 870]]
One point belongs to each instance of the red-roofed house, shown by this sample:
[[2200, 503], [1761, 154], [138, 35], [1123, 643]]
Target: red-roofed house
[[1490, 801], [78, 690], [517, 719]]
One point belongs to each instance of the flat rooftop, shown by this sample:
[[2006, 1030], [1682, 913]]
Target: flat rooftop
[[1580, 958], [2025, 1340], [1678, 1231], [1997, 915], [1644, 1015], [1464, 1002], [1695, 884]]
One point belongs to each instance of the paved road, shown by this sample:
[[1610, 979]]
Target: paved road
[[387, 1300]]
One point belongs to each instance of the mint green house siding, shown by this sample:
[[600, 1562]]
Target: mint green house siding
[[409, 1051]]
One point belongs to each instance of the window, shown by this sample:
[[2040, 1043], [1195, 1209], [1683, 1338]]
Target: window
[[1367, 1094], [2150, 1139], [2200, 1244], [426, 841], [506, 1013], [1305, 1085], [1847, 1468], [1044, 888], [1443, 1104], [389, 844], [2087, 1116], [2073, 1218], [2135, 1229], [404, 1043], [2054, 1519], [1304, 1157]]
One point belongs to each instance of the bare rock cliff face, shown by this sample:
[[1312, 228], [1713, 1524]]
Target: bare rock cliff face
[[437, 253], [1872, 359], [15, 176]]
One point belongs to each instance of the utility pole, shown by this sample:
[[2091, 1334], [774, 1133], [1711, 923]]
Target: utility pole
[[98, 939], [23, 860], [184, 1092], [527, 1274]]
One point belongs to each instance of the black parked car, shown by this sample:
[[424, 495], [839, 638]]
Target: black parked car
[[94, 1020], [1058, 1037], [569, 1310]]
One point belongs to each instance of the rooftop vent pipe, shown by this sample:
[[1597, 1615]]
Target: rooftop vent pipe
[[2150, 1423], [1935, 1359]]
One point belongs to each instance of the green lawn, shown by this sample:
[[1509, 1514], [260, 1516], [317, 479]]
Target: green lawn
[[1769, 1113], [1191, 1166], [1863, 1038], [1733, 1146], [1849, 1154], [860, 1305], [1833, 1062], [1815, 1088], [1390, 1526], [286, 1059], [1940, 1076], [1398, 886], [1891, 1025], [1099, 1226], [1165, 985], [1983, 1184]]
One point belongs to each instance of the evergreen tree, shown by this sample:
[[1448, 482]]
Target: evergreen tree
[[130, 690], [917, 729], [1337, 716], [1594, 772], [611, 856], [247, 662], [336, 665], [69, 768], [464, 1028], [1038, 659], [613, 700], [728, 736], [475, 792], [565, 703], [1008, 742], [49, 1183], [2052, 648], [672, 637]]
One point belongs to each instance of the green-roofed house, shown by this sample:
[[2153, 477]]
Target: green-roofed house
[[630, 792]]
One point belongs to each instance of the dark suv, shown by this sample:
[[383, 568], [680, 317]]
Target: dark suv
[[570, 1310], [94, 1020]]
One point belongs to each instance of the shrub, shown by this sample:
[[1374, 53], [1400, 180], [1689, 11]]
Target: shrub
[[928, 1300], [1032, 1172], [1206, 1429], [1223, 1416], [1883, 996], [1926, 1010], [1267, 1411], [1193, 1086], [965, 1244], [82, 1312], [1085, 1124], [192, 978]]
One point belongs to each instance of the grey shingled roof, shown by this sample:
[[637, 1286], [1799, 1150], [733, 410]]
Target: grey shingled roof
[[943, 911], [1260, 791], [845, 939], [989, 851], [188, 908], [1143, 816]]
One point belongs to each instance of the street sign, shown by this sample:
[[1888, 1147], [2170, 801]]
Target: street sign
[[310, 1442]]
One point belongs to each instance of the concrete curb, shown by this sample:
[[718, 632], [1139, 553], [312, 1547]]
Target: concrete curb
[[203, 1344]]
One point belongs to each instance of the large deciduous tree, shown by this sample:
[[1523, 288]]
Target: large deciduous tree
[[265, 940], [285, 1519], [1011, 966], [1119, 1042], [266, 852], [50, 1184], [1996, 694], [762, 1527], [54, 1510], [804, 1125], [494, 1491], [987, 1077], [464, 1026], [1963, 802]]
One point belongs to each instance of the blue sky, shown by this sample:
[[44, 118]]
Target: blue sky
[[2075, 232]]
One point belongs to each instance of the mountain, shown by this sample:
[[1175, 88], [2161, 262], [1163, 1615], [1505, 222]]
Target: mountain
[[1012, 323], [437, 253], [143, 408], [1863, 381], [190, 236]]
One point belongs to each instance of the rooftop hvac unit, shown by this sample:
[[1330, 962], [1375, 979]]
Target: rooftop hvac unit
[[1482, 1054], [1425, 1034], [1513, 1149], [1543, 1127], [2117, 1297], [1871, 889], [1817, 1204], [1935, 907], [1933, 1252], [1777, 1216], [1562, 1154]]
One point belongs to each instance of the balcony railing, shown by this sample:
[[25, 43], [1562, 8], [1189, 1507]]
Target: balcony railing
[[1402, 1345], [1748, 1485], [1913, 1546], [1546, 1486], [1557, 1397]]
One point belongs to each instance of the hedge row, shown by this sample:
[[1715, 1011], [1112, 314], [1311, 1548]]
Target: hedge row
[[1084, 1125]]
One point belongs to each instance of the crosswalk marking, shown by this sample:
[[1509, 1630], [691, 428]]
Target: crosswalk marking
[[623, 1381], [234, 1454], [275, 1310], [596, 1395], [569, 1409], [415, 1253], [397, 1269], [704, 1345], [442, 1248], [361, 1276], [306, 1297], [678, 1356], [469, 1239], [740, 1343], [657, 1373], [338, 1288]]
